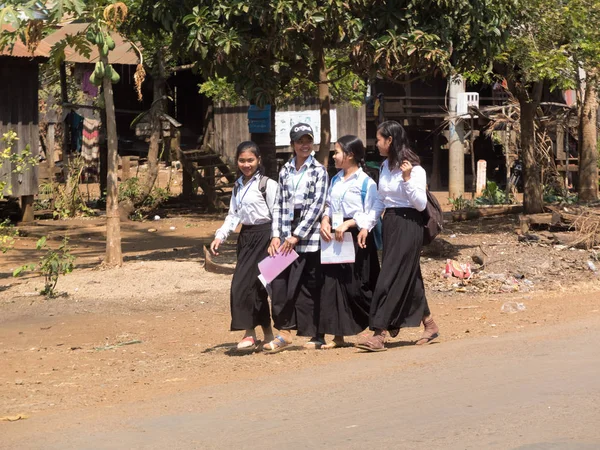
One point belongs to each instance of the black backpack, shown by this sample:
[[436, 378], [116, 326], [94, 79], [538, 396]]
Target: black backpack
[[433, 219]]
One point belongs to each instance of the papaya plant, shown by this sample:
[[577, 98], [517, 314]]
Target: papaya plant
[[52, 265]]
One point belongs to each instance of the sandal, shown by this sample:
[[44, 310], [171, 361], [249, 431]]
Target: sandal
[[430, 333], [315, 344], [248, 344], [276, 345], [335, 344], [375, 343]]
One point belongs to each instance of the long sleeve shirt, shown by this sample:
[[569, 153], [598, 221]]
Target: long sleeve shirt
[[248, 206], [394, 192], [347, 196], [311, 187]]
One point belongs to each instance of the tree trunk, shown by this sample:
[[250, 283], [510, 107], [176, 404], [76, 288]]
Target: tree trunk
[[588, 152], [532, 175], [156, 111], [266, 144], [114, 256], [324, 98], [103, 156]]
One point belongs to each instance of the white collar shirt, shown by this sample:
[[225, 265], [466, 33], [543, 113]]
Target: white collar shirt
[[345, 195], [248, 206], [394, 192]]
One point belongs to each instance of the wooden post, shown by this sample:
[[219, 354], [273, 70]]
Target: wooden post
[[51, 118], [435, 179], [481, 177], [506, 148], [187, 184], [27, 208], [50, 149], [125, 168]]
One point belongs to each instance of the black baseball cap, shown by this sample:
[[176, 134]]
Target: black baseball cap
[[301, 129]]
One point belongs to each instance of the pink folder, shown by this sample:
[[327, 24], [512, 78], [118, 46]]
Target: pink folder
[[272, 266]]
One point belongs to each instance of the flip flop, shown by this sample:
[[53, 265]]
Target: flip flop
[[314, 344], [427, 339], [334, 344], [276, 345], [251, 342], [372, 344]]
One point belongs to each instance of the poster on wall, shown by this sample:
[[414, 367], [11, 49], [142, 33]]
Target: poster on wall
[[285, 120]]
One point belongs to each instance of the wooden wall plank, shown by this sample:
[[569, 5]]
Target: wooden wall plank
[[19, 112]]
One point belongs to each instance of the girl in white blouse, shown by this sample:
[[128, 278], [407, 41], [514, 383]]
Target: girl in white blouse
[[251, 206], [399, 299], [348, 287]]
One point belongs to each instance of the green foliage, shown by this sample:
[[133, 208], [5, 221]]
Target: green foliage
[[460, 203], [17, 162], [51, 266], [131, 191], [8, 232], [270, 50], [344, 88], [66, 198], [492, 195], [219, 90], [551, 40], [562, 197]]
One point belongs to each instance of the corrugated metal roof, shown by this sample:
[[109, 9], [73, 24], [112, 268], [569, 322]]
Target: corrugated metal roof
[[20, 50], [122, 54]]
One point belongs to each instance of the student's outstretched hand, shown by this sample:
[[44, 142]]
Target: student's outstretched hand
[[274, 246], [325, 229], [214, 246], [362, 238]]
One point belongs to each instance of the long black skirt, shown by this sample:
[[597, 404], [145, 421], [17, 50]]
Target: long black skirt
[[348, 290], [296, 295], [248, 299], [399, 299]]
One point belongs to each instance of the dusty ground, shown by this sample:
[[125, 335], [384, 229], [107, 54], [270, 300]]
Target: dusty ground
[[158, 326]]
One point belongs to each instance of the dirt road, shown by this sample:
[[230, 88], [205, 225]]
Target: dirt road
[[141, 357], [538, 389]]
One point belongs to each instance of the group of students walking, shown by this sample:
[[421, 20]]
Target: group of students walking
[[304, 207]]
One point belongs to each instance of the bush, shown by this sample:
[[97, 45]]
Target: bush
[[492, 195]]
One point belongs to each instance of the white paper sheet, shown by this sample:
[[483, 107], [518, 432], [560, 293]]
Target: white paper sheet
[[266, 285], [334, 252]]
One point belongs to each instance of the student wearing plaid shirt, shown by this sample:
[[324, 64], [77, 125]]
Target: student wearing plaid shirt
[[296, 222]]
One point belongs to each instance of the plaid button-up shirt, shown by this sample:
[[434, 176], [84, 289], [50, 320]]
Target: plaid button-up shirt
[[314, 186]]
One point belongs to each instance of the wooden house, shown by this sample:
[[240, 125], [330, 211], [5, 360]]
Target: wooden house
[[19, 71]]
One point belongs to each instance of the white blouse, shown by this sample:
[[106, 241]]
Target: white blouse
[[345, 196], [394, 192], [248, 206]]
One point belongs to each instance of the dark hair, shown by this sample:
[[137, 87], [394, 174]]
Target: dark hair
[[352, 145], [399, 149], [249, 146]]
